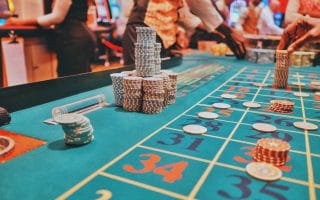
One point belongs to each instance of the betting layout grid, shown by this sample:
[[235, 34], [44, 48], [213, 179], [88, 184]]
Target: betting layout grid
[[171, 164]]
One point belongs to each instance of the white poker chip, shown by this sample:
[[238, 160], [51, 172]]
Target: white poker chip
[[263, 171], [315, 82], [195, 129], [317, 94], [301, 94], [69, 118], [299, 84], [251, 104], [297, 76], [263, 127], [221, 105], [260, 84], [305, 126], [208, 115], [228, 96]]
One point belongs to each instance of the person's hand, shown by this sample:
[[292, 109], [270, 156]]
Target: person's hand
[[298, 33]]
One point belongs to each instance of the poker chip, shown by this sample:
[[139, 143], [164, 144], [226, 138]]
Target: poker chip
[[195, 129], [299, 84], [263, 127], [297, 76], [251, 104], [305, 126], [281, 106], [6, 145], [260, 84], [263, 171], [5, 117], [281, 70], [208, 115], [221, 105], [228, 96], [301, 94], [315, 82], [77, 128], [117, 85]]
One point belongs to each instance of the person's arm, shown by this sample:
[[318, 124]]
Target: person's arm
[[266, 23], [59, 12], [188, 20], [292, 11]]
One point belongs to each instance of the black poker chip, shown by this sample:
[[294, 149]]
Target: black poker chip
[[5, 117]]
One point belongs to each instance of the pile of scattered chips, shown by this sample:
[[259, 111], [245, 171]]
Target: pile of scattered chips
[[281, 106], [77, 128], [281, 70], [273, 151], [153, 97], [6, 145], [132, 97], [118, 87], [5, 117]]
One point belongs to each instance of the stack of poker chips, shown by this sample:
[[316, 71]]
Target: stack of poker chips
[[281, 71], [130, 73], [153, 95], [166, 85], [118, 87], [77, 128], [157, 57], [300, 58], [5, 117], [281, 106], [172, 91], [262, 56], [132, 98], [147, 52], [273, 151]]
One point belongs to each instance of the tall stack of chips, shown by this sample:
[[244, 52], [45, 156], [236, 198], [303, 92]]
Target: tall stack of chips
[[300, 58], [118, 87], [145, 52], [281, 71], [132, 98], [281, 106], [77, 128], [172, 91], [273, 151], [166, 85], [153, 95], [260, 55], [157, 57]]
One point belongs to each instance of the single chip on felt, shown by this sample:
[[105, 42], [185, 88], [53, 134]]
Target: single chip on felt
[[208, 115], [228, 96], [263, 127], [195, 129], [251, 104], [221, 105], [301, 94], [297, 76], [5, 117], [315, 82], [263, 171], [260, 84], [6, 145], [299, 84], [305, 126]]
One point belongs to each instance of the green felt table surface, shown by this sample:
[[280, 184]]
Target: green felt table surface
[[212, 172]]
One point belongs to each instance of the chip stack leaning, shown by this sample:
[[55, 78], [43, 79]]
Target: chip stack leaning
[[172, 91], [281, 71], [118, 87], [132, 96], [153, 95], [77, 128], [273, 151], [145, 52]]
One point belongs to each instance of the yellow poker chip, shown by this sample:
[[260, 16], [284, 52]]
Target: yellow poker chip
[[305, 126], [195, 129], [263, 171], [299, 84], [208, 115], [263, 127], [6, 145], [260, 84]]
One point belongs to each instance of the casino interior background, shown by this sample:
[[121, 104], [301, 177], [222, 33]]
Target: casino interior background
[[197, 124]]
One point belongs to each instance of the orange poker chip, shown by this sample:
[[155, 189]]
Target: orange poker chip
[[273, 144]]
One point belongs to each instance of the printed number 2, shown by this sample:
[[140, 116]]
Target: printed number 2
[[244, 183], [170, 172]]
